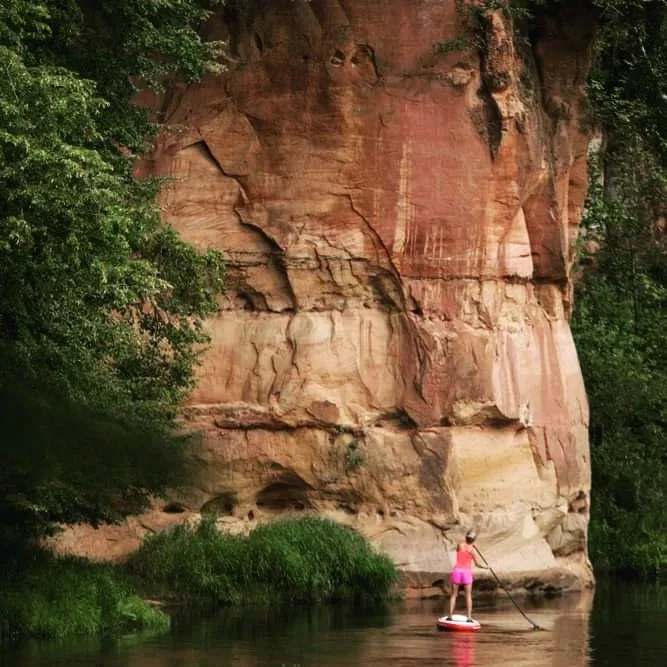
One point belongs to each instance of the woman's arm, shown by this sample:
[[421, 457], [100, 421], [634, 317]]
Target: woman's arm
[[479, 563]]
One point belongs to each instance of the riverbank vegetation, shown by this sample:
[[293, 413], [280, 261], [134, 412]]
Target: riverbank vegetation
[[293, 560], [45, 596], [620, 311]]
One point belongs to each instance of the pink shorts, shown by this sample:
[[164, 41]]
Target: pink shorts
[[461, 576]]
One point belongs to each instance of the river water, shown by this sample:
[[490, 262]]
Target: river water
[[620, 625]]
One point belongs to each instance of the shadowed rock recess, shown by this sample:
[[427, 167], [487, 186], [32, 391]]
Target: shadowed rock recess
[[393, 350]]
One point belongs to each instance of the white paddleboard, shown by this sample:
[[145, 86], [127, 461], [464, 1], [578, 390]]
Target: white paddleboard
[[459, 623]]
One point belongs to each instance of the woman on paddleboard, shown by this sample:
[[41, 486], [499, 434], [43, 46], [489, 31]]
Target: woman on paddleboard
[[462, 573]]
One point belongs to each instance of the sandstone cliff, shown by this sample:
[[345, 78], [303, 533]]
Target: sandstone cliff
[[399, 220]]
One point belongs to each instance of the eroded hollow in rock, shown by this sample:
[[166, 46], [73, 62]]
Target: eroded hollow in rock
[[174, 508], [222, 504], [289, 491]]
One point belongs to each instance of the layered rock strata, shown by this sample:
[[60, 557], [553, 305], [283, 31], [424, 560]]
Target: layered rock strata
[[397, 187]]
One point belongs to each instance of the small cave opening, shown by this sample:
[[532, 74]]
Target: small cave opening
[[222, 505], [287, 492], [174, 508], [281, 496], [348, 508], [337, 58], [246, 303], [399, 420]]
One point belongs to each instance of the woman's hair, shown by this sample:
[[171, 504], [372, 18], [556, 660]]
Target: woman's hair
[[471, 535]]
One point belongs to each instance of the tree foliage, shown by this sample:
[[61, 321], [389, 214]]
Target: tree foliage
[[101, 303], [620, 318]]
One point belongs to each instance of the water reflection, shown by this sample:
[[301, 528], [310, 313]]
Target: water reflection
[[571, 632], [576, 634], [463, 649]]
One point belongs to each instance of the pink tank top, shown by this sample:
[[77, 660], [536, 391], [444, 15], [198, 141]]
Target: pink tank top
[[463, 558]]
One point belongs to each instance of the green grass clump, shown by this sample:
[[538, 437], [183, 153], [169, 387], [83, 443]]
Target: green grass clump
[[190, 563], [53, 597], [306, 559]]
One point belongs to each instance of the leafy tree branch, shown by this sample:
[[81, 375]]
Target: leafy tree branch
[[102, 303]]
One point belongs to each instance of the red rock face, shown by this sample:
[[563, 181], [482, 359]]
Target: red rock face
[[393, 349]]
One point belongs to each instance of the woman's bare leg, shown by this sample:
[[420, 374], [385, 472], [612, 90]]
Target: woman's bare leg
[[452, 598], [468, 589]]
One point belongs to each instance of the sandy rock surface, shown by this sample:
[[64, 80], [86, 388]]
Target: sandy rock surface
[[399, 221]]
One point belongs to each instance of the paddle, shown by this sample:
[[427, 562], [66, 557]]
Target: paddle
[[535, 625]]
